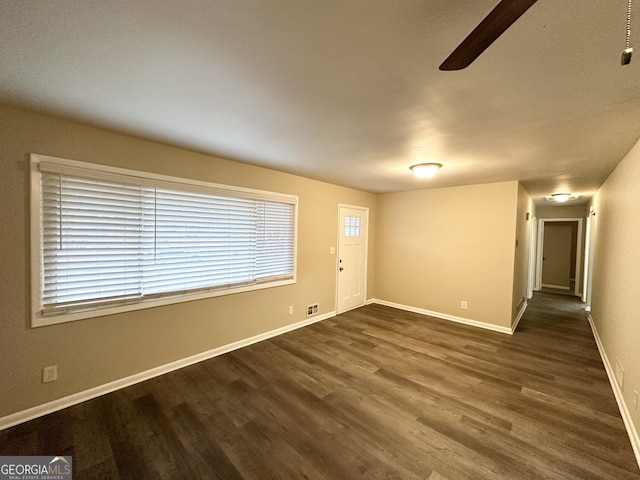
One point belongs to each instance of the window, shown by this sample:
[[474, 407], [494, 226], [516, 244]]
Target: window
[[107, 240], [351, 226]]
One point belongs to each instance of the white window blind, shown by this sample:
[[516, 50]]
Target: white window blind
[[112, 239]]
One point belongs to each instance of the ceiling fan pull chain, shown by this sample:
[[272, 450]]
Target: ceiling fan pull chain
[[626, 54], [628, 23]]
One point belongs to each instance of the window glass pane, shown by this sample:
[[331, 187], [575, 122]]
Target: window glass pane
[[200, 241], [275, 239], [92, 238], [351, 226]]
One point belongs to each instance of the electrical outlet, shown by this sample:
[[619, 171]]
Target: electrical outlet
[[290, 309], [463, 305], [49, 374]]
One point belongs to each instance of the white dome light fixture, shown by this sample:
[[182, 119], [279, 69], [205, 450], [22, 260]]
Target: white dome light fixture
[[561, 197], [425, 170]]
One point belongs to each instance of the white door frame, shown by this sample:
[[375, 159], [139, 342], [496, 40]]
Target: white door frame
[[366, 250], [531, 274], [588, 261], [541, 223]]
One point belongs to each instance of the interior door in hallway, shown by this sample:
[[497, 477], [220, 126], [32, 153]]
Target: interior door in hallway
[[352, 257], [558, 255]]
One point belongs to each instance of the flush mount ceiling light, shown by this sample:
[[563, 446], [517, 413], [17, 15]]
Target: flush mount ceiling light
[[561, 197], [425, 170]]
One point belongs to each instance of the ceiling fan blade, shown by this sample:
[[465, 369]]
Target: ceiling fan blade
[[493, 25]]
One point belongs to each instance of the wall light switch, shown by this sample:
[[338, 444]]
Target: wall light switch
[[332, 251]]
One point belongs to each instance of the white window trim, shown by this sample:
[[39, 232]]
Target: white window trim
[[38, 320]]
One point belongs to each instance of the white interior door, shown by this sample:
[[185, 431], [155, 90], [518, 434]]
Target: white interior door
[[352, 257]]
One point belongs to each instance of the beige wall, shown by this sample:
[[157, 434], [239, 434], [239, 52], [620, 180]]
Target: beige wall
[[524, 225], [438, 247], [92, 352], [615, 300], [573, 211]]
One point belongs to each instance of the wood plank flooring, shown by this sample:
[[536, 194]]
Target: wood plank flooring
[[375, 393]]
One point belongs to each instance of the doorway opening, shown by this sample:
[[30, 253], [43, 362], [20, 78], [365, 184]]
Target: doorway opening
[[559, 255]]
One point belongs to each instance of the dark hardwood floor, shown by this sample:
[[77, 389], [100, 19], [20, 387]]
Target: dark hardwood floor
[[375, 393]]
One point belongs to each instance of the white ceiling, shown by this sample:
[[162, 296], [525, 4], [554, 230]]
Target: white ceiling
[[346, 91]]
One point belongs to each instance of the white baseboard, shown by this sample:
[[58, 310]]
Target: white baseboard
[[444, 316], [524, 306], [74, 399], [557, 287], [624, 411]]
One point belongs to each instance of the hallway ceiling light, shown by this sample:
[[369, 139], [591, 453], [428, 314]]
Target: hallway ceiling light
[[425, 170], [561, 197]]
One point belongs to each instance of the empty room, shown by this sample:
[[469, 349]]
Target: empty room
[[337, 239]]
